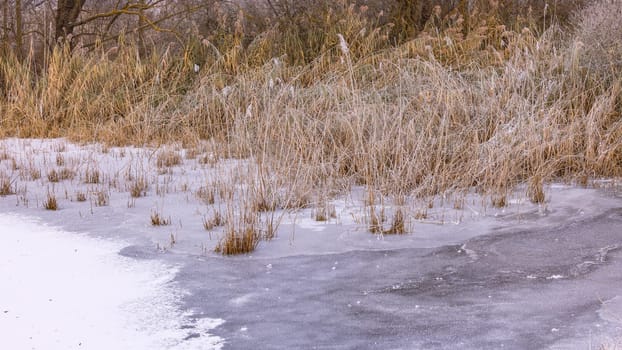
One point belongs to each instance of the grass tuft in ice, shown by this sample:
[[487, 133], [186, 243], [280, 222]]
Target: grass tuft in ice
[[535, 190], [138, 187], [102, 198], [50, 202], [325, 211], [80, 196], [168, 158], [206, 195], [6, 188], [158, 220], [242, 232], [398, 226], [92, 176], [53, 176], [209, 223]]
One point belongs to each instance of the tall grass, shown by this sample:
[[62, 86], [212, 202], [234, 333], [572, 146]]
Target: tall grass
[[439, 113]]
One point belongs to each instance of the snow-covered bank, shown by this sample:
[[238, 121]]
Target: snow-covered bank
[[65, 291]]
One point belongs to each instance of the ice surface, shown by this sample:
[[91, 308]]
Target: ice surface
[[467, 275], [67, 291]]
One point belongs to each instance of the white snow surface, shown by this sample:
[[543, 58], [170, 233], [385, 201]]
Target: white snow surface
[[62, 290]]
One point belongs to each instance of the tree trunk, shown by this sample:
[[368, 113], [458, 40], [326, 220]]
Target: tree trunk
[[142, 48], [5, 26], [408, 19], [465, 12], [66, 15], [19, 29]]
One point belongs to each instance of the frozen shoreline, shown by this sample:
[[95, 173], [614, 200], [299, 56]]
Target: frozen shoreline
[[68, 291]]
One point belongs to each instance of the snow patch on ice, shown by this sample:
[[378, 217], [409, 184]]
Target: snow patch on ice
[[67, 291], [555, 277], [241, 300], [312, 225]]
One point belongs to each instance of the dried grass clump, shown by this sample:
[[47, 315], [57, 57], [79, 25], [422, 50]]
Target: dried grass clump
[[398, 224], [102, 198], [325, 211], [265, 192], [206, 194], [80, 196], [498, 200], [535, 190], [265, 202], [66, 174], [375, 221], [35, 173], [241, 240], [60, 159], [92, 176], [158, 220], [6, 187], [50, 202], [214, 221], [138, 187], [168, 158], [242, 232], [53, 176]]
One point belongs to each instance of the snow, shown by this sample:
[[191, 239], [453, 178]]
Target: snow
[[63, 290]]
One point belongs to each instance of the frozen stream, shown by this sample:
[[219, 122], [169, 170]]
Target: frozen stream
[[530, 289], [65, 291]]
